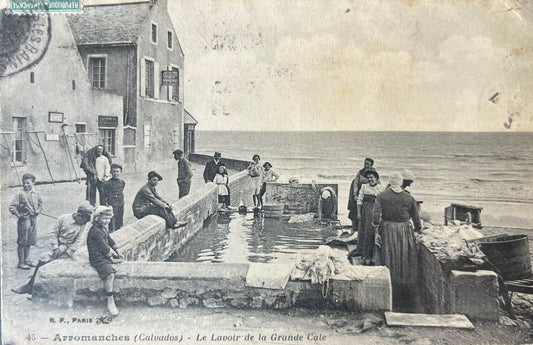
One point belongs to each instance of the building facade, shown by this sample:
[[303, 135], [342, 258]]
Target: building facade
[[128, 50], [51, 114]]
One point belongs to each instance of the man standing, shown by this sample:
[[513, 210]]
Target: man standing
[[211, 168], [357, 182], [67, 237], [184, 173], [147, 202], [97, 166]]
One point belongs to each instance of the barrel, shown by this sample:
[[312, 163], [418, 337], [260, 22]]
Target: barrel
[[272, 210], [510, 254]]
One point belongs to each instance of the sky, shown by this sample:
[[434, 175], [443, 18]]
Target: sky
[[357, 65]]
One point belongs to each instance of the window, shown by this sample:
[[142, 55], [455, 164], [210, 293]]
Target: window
[[19, 143], [97, 72], [176, 89], [169, 40], [32, 77], [154, 33], [149, 79], [81, 128], [107, 138], [146, 135]]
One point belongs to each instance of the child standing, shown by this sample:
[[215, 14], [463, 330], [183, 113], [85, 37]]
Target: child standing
[[26, 205], [269, 175], [221, 180], [255, 171], [99, 245], [113, 194]]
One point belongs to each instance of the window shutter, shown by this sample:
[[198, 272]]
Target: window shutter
[[169, 88], [143, 77], [181, 88], [157, 82]]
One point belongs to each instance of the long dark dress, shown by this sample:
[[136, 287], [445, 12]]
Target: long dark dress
[[398, 247]]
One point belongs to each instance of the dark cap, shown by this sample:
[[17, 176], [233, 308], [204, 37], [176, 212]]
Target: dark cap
[[267, 163], [115, 165], [28, 176], [177, 151], [371, 172], [85, 208], [153, 174]]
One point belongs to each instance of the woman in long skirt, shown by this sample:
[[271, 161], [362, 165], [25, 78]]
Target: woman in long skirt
[[393, 209], [365, 204]]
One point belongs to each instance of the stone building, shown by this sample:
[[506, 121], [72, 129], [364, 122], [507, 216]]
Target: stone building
[[128, 49], [51, 114]]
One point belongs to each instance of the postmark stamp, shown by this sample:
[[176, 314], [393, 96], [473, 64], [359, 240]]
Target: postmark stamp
[[24, 40]]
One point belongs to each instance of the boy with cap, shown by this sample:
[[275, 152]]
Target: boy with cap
[[148, 202], [113, 195], [101, 258], [26, 206], [184, 173], [66, 238]]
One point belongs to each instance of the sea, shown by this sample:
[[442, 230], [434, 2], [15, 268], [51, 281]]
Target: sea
[[490, 170]]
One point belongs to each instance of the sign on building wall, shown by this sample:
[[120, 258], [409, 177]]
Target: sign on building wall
[[54, 116], [170, 78], [107, 121]]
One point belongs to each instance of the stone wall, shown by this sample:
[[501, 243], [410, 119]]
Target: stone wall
[[474, 294], [183, 284], [297, 197], [144, 279]]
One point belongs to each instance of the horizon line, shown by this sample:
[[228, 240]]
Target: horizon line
[[371, 131]]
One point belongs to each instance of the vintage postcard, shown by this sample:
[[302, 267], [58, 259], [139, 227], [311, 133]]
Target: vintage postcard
[[266, 172]]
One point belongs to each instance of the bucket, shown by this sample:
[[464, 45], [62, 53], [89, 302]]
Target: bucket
[[272, 210], [510, 254]]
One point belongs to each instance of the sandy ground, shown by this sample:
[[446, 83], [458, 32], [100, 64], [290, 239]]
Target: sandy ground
[[24, 322]]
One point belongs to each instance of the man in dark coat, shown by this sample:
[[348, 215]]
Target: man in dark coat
[[148, 202], [211, 168], [355, 186]]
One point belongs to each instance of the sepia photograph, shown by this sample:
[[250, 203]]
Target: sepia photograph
[[243, 172]]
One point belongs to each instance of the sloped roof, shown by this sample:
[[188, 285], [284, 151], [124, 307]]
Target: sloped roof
[[107, 24], [188, 119]]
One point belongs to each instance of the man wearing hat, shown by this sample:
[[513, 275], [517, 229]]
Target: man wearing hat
[[184, 173], [211, 168], [67, 237], [148, 202]]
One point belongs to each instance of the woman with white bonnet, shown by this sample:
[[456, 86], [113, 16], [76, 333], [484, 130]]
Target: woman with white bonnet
[[327, 204], [408, 178], [395, 238]]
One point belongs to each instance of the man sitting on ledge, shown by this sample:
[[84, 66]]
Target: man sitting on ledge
[[68, 236], [147, 202]]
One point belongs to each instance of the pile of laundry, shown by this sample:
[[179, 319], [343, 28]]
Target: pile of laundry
[[323, 264], [452, 243]]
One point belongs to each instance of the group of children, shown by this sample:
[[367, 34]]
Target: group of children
[[103, 253]]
